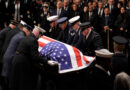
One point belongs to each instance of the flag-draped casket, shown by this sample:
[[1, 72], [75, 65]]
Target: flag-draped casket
[[68, 57]]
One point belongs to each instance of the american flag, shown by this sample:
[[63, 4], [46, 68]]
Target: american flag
[[68, 57]]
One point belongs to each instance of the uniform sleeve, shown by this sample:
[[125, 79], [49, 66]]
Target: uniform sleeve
[[35, 54], [98, 44], [2, 34], [2, 38]]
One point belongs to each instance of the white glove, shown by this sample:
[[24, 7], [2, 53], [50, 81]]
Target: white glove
[[52, 63]]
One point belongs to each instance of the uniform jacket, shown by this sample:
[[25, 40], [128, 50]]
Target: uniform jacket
[[92, 43], [119, 63], [97, 78], [63, 35], [8, 38], [24, 74], [10, 52], [75, 38], [63, 13], [3, 34]]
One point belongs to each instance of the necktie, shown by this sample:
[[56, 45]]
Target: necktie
[[58, 13], [106, 20], [99, 13], [90, 14], [110, 8], [65, 8]]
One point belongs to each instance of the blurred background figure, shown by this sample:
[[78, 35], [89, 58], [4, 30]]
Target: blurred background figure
[[98, 75], [122, 81], [74, 11], [45, 13], [119, 59], [53, 30], [17, 8], [91, 40]]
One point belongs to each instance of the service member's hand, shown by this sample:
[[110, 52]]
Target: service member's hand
[[52, 63], [121, 29]]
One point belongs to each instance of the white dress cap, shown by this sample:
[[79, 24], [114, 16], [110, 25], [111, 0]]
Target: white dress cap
[[104, 53], [39, 29], [52, 18], [23, 23], [74, 19]]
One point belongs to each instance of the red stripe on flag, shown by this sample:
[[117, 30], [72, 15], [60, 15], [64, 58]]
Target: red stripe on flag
[[85, 59], [78, 56], [41, 44], [46, 38]]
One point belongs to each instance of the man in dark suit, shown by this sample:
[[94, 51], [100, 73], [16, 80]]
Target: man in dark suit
[[93, 17], [66, 5], [119, 59], [100, 9], [59, 11], [112, 8], [99, 13], [24, 73], [107, 26], [91, 40], [98, 75], [106, 20]]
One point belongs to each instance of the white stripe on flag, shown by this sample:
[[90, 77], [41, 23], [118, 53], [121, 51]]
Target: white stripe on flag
[[39, 49], [44, 41], [72, 56]]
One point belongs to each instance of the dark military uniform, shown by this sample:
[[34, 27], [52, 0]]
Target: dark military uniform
[[75, 38], [10, 52], [3, 34], [24, 74], [9, 36], [97, 79], [119, 59], [63, 35], [73, 35], [54, 32], [119, 63], [93, 42], [98, 75]]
